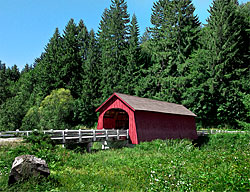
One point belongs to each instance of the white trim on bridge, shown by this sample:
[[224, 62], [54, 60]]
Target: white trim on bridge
[[80, 136]]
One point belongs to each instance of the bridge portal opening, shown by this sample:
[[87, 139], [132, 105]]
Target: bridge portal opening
[[116, 119]]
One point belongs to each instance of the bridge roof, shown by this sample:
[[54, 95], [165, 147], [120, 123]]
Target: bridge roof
[[144, 104]]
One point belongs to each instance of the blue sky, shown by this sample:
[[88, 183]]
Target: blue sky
[[27, 25]]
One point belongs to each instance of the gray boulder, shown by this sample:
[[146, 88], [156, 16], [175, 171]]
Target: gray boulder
[[26, 166]]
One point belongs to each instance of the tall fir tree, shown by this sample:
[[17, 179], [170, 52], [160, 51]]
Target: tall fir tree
[[227, 63], [174, 38], [17, 104], [8, 78], [4, 91], [244, 13], [113, 37], [72, 60], [174, 33], [219, 68], [86, 104], [134, 62], [26, 69], [48, 66]]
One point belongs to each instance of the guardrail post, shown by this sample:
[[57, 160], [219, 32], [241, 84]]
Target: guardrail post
[[127, 133], [106, 133], [63, 136], [117, 131], [80, 136], [94, 135], [52, 133]]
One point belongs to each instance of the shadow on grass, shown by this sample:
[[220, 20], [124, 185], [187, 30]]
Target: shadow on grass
[[200, 141]]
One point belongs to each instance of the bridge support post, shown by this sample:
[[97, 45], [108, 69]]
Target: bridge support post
[[89, 146]]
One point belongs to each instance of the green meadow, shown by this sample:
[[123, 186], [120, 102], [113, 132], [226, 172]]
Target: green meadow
[[221, 163]]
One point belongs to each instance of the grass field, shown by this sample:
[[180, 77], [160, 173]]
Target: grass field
[[222, 164]]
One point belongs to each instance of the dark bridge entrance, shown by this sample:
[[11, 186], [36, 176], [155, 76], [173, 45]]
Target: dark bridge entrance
[[116, 119]]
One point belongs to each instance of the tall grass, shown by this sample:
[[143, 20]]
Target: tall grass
[[222, 164]]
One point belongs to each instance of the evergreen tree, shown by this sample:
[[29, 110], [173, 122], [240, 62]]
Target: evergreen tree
[[85, 105], [174, 38], [8, 78], [4, 91], [13, 73], [174, 33], [71, 59], [83, 41], [15, 107], [49, 67], [198, 96], [226, 63], [26, 69], [61, 64], [244, 14], [134, 64], [113, 37], [146, 36]]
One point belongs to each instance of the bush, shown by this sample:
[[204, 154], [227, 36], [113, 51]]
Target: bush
[[54, 112], [39, 138]]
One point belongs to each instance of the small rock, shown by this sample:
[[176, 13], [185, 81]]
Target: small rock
[[26, 166]]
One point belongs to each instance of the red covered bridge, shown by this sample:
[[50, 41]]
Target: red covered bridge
[[146, 119]]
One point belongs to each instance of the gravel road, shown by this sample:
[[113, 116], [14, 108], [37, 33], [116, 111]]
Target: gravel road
[[9, 140]]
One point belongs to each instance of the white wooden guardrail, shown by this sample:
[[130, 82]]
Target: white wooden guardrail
[[81, 136], [214, 131]]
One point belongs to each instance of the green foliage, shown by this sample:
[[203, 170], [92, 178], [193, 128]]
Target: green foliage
[[206, 68], [54, 112], [171, 165], [134, 59], [8, 77], [85, 105], [246, 101], [21, 98], [40, 139], [174, 38], [113, 37], [12, 112], [31, 119], [225, 63]]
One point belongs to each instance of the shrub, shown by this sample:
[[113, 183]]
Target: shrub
[[54, 112]]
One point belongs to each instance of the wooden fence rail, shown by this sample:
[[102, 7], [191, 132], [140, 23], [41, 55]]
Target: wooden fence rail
[[214, 131], [80, 136], [85, 136]]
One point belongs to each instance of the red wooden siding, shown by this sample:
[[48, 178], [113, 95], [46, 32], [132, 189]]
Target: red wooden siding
[[152, 125], [147, 119], [116, 103]]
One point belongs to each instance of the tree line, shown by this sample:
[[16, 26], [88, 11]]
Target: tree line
[[205, 68]]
